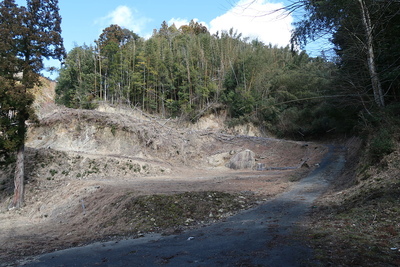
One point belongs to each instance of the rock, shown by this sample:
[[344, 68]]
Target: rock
[[304, 165], [260, 167], [242, 160], [218, 159]]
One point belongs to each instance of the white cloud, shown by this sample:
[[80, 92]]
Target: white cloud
[[256, 19], [126, 18], [180, 22]]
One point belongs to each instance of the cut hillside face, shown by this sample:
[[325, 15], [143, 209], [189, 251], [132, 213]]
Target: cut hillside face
[[44, 96], [122, 144], [135, 139], [107, 134]]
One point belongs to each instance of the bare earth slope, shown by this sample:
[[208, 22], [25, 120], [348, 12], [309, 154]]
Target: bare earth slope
[[86, 169]]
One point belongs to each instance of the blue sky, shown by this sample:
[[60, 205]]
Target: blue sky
[[84, 20]]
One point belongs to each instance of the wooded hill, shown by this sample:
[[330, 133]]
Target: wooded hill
[[188, 72]]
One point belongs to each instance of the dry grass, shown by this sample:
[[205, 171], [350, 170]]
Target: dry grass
[[359, 226]]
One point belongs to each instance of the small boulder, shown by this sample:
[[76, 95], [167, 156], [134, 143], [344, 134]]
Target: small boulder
[[242, 160]]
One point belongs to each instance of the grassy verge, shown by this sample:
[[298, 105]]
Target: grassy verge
[[361, 236], [359, 225]]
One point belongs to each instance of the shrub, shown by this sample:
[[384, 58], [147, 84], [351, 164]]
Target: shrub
[[381, 145]]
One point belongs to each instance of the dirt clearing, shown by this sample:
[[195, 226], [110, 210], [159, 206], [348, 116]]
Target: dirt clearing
[[265, 235]]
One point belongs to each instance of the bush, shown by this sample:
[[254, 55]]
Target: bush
[[381, 145]]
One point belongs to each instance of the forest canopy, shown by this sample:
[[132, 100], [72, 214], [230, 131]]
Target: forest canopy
[[188, 72]]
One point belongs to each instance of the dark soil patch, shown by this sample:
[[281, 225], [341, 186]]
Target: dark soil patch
[[173, 213]]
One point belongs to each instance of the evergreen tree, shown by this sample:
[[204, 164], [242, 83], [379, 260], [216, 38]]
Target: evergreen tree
[[76, 85], [109, 45], [31, 34]]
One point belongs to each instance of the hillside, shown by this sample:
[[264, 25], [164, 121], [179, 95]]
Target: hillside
[[152, 145], [180, 129], [116, 172], [356, 223], [85, 166]]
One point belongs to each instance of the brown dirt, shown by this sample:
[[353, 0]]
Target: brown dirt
[[64, 209]]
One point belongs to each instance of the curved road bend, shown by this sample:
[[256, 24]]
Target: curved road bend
[[262, 236]]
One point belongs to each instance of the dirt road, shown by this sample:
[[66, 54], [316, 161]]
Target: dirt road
[[267, 235]]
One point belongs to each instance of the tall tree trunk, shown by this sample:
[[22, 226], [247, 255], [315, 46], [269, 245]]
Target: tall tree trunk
[[18, 198], [95, 75], [376, 83], [189, 81]]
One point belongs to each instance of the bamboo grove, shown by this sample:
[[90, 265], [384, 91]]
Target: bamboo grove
[[188, 71]]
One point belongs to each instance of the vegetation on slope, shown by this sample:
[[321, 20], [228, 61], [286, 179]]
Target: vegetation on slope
[[189, 72], [357, 223]]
